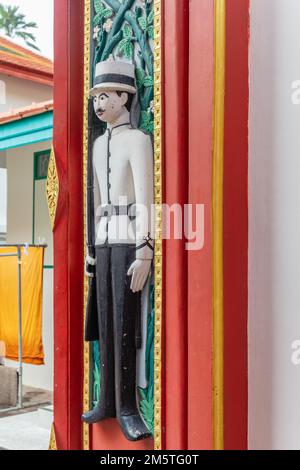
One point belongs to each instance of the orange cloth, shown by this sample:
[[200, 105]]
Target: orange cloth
[[32, 294]]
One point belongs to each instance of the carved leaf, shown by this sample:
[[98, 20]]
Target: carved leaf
[[150, 31], [150, 19], [147, 406], [98, 6], [107, 13], [97, 18], [143, 23], [148, 81], [146, 122], [102, 13], [127, 31], [140, 75], [122, 45], [128, 50]]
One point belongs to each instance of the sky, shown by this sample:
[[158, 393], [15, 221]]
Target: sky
[[42, 13]]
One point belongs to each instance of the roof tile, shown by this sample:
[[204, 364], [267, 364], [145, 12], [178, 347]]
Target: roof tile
[[18, 58], [27, 111]]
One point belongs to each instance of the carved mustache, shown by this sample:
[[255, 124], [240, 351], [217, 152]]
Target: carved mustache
[[100, 111]]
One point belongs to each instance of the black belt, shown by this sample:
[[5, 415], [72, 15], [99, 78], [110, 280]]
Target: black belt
[[110, 210]]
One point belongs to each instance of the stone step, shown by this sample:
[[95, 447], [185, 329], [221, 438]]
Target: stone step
[[45, 417], [23, 432]]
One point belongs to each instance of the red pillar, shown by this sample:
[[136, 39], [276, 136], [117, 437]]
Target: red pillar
[[68, 232], [176, 121], [201, 88], [236, 225]]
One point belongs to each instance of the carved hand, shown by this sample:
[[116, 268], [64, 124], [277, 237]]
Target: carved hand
[[139, 270], [89, 266]]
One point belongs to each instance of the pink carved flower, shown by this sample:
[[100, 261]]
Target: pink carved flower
[[96, 32], [108, 25], [151, 107]]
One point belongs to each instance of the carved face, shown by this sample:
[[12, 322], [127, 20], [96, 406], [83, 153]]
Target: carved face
[[109, 105]]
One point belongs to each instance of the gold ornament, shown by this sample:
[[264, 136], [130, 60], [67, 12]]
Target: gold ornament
[[86, 346], [52, 188], [218, 170], [52, 443], [158, 237]]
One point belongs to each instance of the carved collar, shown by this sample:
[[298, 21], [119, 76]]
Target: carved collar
[[118, 129]]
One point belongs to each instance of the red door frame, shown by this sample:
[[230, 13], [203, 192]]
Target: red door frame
[[200, 327], [236, 226], [68, 231], [187, 385], [176, 71], [235, 235]]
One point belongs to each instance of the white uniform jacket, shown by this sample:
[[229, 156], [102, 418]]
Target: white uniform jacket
[[123, 176]]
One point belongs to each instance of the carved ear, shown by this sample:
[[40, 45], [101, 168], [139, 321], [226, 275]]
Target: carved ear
[[124, 98]]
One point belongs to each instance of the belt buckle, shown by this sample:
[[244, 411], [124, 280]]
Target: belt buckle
[[131, 212]]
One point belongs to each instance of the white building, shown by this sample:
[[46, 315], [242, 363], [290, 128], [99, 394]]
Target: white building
[[26, 114]]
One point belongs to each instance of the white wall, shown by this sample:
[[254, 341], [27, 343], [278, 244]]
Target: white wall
[[20, 194], [274, 225], [21, 93], [19, 230]]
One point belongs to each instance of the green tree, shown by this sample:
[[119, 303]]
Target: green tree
[[14, 25]]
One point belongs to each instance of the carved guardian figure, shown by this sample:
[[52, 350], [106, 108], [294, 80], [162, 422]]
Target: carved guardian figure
[[120, 261]]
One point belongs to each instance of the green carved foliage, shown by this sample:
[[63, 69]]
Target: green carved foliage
[[147, 394], [146, 123], [127, 31], [146, 24], [102, 13], [147, 406], [96, 373], [142, 79], [126, 46]]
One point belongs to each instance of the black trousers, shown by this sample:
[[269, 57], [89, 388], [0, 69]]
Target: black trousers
[[119, 315]]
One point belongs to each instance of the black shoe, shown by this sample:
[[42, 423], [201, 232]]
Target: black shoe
[[96, 415], [134, 427]]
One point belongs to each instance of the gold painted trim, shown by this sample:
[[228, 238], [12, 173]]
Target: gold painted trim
[[218, 170], [86, 346], [52, 188], [52, 443], [158, 265]]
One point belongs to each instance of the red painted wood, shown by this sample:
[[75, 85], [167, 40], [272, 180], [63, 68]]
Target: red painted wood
[[187, 387], [108, 436], [236, 225], [201, 87], [176, 33], [68, 233]]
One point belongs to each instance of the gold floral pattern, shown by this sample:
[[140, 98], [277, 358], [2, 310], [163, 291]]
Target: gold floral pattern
[[52, 188]]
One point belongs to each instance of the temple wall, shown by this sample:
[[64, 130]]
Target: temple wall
[[21, 205], [18, 93]]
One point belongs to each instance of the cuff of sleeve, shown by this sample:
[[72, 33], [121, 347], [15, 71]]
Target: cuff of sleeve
[[145, 249]]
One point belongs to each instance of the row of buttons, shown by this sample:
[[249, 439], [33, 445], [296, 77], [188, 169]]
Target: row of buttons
[[108, 173], [108, 168]]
